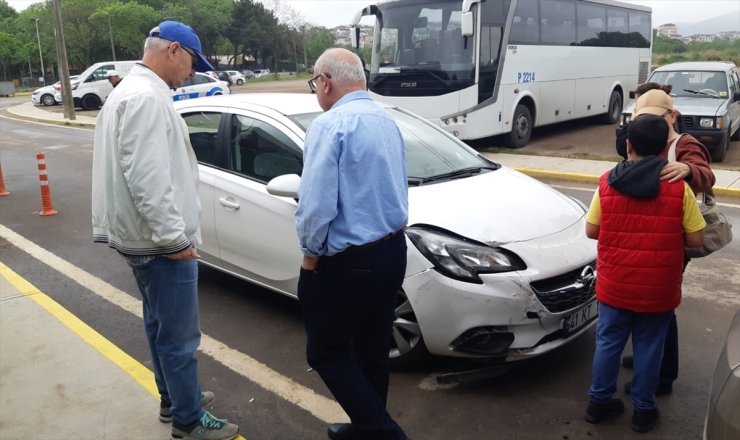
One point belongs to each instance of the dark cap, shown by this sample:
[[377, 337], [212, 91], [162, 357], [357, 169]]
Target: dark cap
[[186, 36]]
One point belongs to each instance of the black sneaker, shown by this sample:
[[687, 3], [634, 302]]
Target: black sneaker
[[663, 389], [644, 421], [598, 412], [628, 362]]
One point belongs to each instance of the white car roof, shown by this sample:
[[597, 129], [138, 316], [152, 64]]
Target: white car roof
[[285, 103], [720, 66]]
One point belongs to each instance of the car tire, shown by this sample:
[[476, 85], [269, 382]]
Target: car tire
[[521, 127], [90, 102], [239, 82], [48, 100], [720, 151], [614, 109], [407, 344]]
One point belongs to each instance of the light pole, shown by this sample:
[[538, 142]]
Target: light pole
[[110, 29], [41, 57]]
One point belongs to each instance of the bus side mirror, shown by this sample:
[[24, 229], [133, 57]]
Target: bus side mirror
[[354, 35], [466, 24]]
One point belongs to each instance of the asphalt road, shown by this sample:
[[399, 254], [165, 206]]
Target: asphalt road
[[541, 399]]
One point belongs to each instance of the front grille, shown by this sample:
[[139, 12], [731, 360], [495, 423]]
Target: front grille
[[566, 291], [688, 122]]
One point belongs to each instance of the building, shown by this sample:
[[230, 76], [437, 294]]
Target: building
[[668, 30]]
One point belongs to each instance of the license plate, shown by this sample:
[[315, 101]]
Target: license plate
[[580, 317]]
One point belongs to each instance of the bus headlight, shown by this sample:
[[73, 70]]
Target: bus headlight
[[706, 122]]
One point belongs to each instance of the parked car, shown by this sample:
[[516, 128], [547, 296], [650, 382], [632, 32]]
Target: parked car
[[92, 88], [212, 74], [723, 414], [259, 73], [707, 94], [499, 266], [224, 76], [236, 77], [199, 86], [248, 74], [45, 95]]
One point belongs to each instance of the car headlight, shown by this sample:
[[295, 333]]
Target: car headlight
[[706, 122], [461, 258]]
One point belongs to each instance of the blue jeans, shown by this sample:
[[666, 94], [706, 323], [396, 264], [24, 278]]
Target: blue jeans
[[648, 337], [348, 306], [169, 290]]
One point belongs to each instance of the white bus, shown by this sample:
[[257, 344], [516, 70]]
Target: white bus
[[482, 68]]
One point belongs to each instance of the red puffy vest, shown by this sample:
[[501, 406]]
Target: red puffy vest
[[640, 249]]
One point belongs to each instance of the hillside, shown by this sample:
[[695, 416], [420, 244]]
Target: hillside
[[721, 23]]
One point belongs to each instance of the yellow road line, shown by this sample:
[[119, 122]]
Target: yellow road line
[[134, 368]]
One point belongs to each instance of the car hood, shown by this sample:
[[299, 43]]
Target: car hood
[[497, 207], [691, 106], [45, 89]]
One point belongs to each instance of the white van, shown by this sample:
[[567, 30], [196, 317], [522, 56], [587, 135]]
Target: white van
[[92, 88]]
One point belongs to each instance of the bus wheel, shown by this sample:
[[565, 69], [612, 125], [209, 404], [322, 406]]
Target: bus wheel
[[521, 128], [614, 109]]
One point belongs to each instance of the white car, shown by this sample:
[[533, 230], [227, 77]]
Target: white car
[[45, 95], [237, 77], [499, 266], [259, 73], [199, 86]]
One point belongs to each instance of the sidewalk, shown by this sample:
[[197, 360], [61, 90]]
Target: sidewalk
[[94, 398], [727, 185]]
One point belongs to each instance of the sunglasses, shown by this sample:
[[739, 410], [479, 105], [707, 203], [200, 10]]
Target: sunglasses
[[190, 52], [312, 81]]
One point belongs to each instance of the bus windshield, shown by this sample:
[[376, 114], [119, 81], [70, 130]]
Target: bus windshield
[[421, 51]]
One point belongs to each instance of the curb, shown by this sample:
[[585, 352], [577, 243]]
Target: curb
[[51, 121], [589, 178]]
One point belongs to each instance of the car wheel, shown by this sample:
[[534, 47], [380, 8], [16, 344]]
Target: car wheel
[[48, 100], [407, 343], [239, 82], [521, 129], [90, 102], [614, 109], [720, 151]]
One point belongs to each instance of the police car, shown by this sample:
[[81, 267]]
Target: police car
[[200, 85]]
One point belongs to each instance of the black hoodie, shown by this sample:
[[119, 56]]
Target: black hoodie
[[639, 179]]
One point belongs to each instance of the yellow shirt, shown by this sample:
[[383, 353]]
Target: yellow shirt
[[692, 218]]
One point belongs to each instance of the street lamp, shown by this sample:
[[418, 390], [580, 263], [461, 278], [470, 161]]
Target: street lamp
[[41, 57], [110, 29]]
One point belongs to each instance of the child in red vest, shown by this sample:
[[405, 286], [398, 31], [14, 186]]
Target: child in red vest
[[642, 224]]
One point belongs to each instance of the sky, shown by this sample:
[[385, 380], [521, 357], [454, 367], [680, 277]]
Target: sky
[[332, 13]]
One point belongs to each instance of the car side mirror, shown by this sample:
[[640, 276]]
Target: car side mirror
[[284, 186], [736, 96], [632, 94]]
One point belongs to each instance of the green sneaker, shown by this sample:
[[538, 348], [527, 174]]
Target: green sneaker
[[165, 408], [207, 428]]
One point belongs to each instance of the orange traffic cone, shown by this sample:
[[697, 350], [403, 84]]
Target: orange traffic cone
[[3, 191], [45, 191]]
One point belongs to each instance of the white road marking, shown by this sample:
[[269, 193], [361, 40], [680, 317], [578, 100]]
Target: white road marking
[[591, 190], [324, 409], [48, 125]]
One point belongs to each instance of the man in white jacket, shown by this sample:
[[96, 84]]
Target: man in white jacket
[[145, 205]]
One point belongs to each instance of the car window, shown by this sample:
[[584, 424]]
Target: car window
[[99, 74], [202, 79], [203, 130], [428, 151], [261, 151], [687, 83], [734, 82]]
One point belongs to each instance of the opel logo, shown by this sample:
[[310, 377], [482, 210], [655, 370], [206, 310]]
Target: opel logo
[[587, 278]]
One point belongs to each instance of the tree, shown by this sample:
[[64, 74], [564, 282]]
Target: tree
[[129, 23], [252, 30], [11, 52], [318, 39]]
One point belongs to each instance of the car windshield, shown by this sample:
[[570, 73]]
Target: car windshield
[[697, 83], [430, 154]]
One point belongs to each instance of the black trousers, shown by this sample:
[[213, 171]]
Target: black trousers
[[348, 306]]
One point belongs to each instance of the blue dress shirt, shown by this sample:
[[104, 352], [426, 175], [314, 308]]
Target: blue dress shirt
[[354, 188]]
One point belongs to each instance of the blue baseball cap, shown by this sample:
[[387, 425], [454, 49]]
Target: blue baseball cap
[[186, 36]]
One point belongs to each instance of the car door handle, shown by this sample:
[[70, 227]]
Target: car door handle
[[229, 204]]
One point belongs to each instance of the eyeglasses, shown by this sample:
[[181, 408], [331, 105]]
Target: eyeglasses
[[191, 53], [312, 81]]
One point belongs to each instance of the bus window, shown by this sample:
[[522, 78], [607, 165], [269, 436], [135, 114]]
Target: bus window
[[591, 24], [617, 28], [558, 22], [526, 25], [640, 29]]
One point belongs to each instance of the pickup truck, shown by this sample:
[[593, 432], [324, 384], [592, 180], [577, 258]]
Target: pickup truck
[[707, 94]]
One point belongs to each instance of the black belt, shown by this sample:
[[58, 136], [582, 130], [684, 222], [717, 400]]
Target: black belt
[[372, 244]]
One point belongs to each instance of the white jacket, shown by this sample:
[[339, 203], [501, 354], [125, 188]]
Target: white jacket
[[145, 173]]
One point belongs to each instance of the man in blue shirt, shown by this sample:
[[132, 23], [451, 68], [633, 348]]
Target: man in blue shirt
[[353, 206]]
